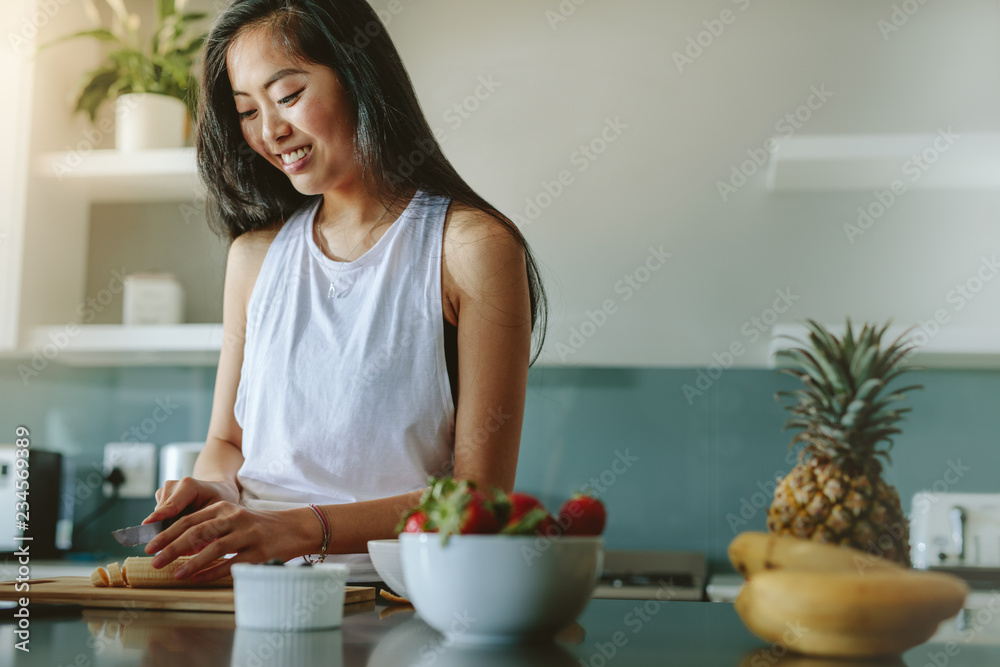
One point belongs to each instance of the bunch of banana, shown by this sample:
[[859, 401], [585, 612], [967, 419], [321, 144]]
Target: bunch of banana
[[826, 600], [751, 553]]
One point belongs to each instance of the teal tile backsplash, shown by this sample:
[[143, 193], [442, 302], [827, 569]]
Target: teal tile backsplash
[[674, 473]]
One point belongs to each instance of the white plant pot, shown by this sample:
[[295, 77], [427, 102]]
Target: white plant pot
[[149, 120]]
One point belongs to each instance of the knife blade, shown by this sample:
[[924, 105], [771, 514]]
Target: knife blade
[[144, 533]]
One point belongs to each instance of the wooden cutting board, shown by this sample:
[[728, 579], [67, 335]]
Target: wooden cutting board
[[79, 590]]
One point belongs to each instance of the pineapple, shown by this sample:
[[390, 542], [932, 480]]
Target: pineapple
[[836, 493]]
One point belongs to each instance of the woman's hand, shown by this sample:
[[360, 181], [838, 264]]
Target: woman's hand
[[255, 536], [192, 494]]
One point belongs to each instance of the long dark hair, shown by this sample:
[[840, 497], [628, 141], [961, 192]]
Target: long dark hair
[[393, 143]]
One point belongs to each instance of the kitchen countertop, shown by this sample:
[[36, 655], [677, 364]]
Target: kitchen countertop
[[610, 632]]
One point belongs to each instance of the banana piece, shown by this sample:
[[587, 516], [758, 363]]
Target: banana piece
[[99, 577], [848, 614], [752, 552], [115, 577]]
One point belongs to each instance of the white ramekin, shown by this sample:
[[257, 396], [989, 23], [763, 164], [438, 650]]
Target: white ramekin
[[289, 597]]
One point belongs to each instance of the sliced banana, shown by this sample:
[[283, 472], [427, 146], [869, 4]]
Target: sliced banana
[[99, 577], [115, 577]]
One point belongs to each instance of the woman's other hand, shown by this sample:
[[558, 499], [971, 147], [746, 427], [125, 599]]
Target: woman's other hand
[[255, 536], [192, 494]]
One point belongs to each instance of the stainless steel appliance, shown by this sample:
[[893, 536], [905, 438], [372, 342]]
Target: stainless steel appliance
[[50, 501], [653, 575], [957, 533], [177, 460]]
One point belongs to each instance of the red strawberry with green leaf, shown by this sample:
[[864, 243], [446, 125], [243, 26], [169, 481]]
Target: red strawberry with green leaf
[[417, 522], [527, 516], [466, 510], [521, 504], [582, 515], [417, 519]]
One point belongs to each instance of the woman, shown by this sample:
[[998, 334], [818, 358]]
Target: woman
[[378, 313]]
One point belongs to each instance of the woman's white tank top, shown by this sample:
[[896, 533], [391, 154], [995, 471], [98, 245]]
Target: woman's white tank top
[[344, 393]]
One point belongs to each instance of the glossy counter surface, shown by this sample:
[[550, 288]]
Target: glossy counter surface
[[610, 632]]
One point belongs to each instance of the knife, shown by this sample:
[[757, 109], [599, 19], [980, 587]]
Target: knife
[[144, 533]]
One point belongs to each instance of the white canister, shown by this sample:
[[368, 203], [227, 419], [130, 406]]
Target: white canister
[[152, 298]]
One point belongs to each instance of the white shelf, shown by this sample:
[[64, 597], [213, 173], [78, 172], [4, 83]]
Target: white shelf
[[109, 176], [966, 161], [948, 347], [199, 345], [118, 345]]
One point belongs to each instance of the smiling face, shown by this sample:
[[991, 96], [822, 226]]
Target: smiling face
[[294, 114]]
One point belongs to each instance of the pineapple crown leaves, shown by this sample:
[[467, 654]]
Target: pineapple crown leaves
[[842, 411]]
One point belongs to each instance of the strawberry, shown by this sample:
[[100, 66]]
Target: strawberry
[[548, 527], [521, 504], [465, 510], [416, 519], [582, 515], [501, 505], [536, 521], [527, 516], [468, 513], [417, 522], [451, 507]]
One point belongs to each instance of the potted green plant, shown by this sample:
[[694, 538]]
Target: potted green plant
[[149, 78]]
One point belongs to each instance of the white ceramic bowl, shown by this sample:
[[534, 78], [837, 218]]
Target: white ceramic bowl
[[289, 597], [388, 562], [499, 588]]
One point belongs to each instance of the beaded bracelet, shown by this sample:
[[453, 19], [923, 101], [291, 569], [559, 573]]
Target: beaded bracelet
[[326, 537]]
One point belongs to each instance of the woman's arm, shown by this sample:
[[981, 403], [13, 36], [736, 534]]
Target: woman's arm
[[485, 280]]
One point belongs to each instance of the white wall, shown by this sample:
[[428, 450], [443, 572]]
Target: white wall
[[15, 63], [657, 183]]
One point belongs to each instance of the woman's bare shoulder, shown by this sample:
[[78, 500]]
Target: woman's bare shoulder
[[256, 240], [465, 223], [246, 256], [481, 252]]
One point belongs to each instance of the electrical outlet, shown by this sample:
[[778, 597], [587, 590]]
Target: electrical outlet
[[137, 461]]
